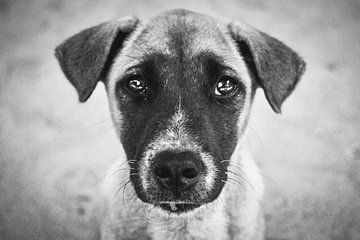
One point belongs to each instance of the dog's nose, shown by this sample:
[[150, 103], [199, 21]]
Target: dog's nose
[[177, 171]]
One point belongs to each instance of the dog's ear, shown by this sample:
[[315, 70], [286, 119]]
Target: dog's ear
[[276, 67], [85, 57]]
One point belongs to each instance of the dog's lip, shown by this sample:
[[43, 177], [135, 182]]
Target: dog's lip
[[178, 206]]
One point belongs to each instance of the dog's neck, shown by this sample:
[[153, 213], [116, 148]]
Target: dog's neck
[[209, 224]]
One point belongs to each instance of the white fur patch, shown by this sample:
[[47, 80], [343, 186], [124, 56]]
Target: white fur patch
[[206, 225]]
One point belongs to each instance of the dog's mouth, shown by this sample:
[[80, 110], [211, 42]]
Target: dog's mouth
[[178, 207], [177, 186], [177, 180]]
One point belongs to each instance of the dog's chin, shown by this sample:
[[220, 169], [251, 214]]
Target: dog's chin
[[178, 208]]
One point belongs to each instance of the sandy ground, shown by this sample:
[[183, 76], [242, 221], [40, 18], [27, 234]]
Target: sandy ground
[[55, 151]]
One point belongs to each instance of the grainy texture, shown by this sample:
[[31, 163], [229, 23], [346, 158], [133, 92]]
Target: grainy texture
[[54, 152]]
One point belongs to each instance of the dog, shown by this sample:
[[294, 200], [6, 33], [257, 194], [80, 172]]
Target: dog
[[180, 88]]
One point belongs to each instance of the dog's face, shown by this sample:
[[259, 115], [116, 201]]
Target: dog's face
[[180, 88]]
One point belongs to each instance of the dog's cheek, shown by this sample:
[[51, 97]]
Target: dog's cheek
[[224, 122], [132, 131], [127, 117]]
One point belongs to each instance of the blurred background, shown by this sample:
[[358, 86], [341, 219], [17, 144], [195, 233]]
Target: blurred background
[[54, 152]]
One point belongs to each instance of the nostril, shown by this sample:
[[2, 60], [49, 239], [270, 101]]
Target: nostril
[[163, 172], [176, 171], [190, 173]]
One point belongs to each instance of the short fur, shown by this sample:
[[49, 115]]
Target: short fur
[[181, 55]]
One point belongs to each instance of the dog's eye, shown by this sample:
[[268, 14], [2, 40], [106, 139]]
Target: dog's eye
[[226, 87], [136, 84]]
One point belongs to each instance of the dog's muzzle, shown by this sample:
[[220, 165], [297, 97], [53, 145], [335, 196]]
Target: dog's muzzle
[[177, 171]]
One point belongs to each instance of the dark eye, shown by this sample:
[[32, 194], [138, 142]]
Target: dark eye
[[136, 84], [226, 87]]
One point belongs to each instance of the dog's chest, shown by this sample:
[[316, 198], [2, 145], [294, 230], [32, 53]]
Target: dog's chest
[[209, 226]]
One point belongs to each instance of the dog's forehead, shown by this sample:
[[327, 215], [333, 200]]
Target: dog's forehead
[[182, 35], [185, 31]]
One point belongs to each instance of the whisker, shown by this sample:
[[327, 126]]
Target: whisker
[[236, 181], [132, 204], [122, 188], [133, 199], [242, 176], [240, 168]]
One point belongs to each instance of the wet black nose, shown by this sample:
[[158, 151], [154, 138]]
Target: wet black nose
[[177, 171]]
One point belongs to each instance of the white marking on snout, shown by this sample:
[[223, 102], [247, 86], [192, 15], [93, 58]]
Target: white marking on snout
[[176, 137]]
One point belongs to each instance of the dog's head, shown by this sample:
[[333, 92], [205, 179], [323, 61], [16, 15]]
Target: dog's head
[[180, 88]]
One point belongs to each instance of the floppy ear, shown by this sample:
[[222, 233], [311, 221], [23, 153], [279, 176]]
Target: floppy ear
[[85, 57], [276, 67]]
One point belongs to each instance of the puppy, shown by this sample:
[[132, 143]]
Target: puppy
[[180, 87]]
